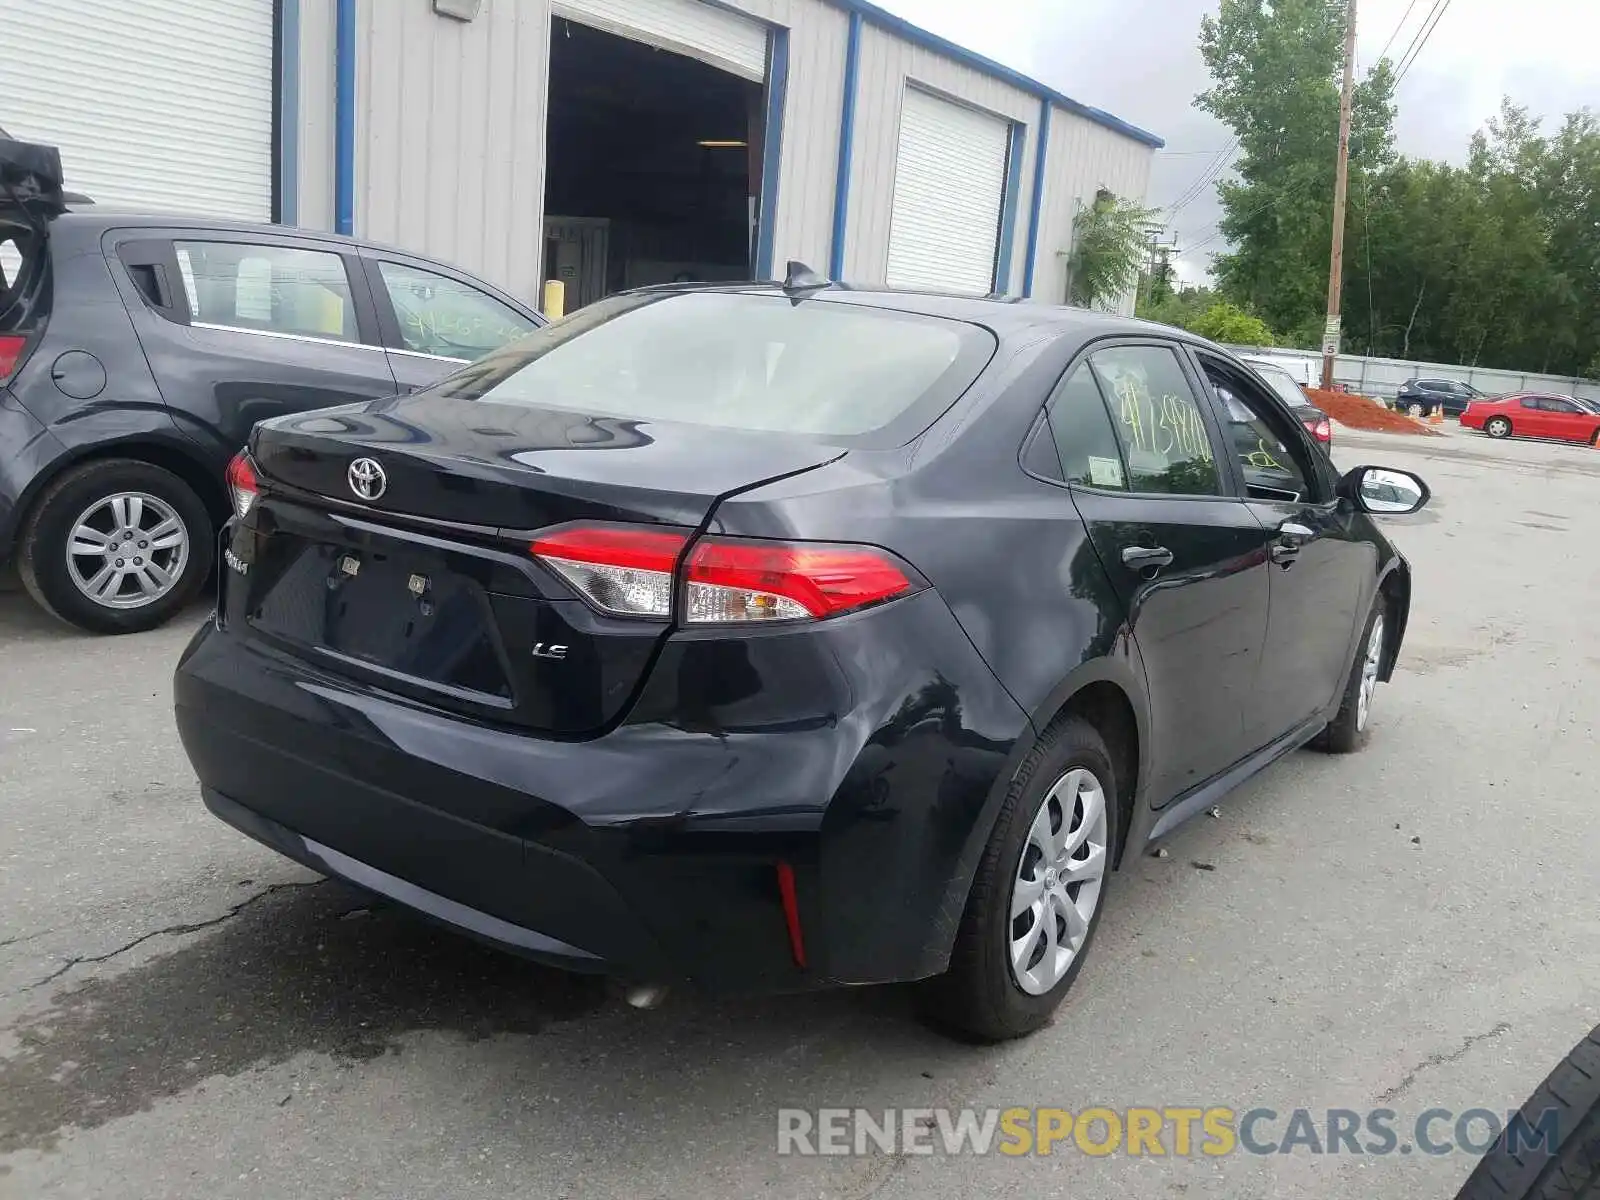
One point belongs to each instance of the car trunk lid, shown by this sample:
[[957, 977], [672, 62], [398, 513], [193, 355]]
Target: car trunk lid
[[30, 196], [424, 585]]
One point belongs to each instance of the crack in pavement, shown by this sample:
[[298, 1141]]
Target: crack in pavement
[[174, 930], [1438, 1060]]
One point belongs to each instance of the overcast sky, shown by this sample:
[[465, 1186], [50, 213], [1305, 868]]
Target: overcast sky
[[1140, 60]]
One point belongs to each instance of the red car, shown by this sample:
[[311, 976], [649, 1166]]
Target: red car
[[1534, 414]]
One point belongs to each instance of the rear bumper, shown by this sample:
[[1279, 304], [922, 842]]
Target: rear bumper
[[328, 861], [650, 852]]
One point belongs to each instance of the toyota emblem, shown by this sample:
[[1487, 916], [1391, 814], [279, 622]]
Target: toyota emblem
[[366, 478]]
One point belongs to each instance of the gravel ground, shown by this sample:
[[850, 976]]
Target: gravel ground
[[182, 1014]]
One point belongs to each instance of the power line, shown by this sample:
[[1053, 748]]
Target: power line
[[1406, 17], [1440, 8], [1210, 174]]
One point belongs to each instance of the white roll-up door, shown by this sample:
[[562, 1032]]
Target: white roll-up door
[[156, 105], [949, 188], [713, 35]]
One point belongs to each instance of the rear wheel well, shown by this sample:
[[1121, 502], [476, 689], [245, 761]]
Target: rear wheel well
[[1106, 706], [200, 480]]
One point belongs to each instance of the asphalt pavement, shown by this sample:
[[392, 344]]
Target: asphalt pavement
[[183, 1014]]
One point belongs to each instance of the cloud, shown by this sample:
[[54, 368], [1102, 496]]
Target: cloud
[[1140, 60]]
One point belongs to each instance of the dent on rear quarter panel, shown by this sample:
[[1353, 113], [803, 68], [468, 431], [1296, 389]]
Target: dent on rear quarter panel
[[26, 449]]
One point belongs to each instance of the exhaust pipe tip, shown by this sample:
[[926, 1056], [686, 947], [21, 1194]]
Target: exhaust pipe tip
[[646, 995]]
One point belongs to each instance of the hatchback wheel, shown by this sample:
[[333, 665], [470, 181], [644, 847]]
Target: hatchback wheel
[[1037, 894], [1414, 409], [116, 546], [1497, 427]]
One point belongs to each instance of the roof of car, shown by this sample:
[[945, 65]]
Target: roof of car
[[1000, 313], [97, 219]]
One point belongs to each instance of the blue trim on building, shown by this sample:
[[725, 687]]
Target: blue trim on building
[[288, 34], [921, 37], [847, 140], [344, 117], [772, 146], [1009, 206], [1036, 213]]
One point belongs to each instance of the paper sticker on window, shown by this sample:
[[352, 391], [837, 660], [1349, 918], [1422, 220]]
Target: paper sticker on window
[[1105, 472]]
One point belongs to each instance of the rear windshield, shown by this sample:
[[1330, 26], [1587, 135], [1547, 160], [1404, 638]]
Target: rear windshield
[[1283, 383], [22, 272], [736, 360]]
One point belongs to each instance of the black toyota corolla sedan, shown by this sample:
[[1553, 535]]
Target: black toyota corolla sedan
[[773, 637]]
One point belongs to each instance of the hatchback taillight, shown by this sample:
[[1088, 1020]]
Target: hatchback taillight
[[1323, 430], [242, 486], [11, 348], [632, 571]]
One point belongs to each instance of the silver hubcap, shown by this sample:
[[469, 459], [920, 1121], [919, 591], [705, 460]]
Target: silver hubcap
[[127, 550], [1369, 673], [1058, 882]]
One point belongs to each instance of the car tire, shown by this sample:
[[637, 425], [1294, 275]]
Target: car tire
[[116, 498], [1497, 427], [1350, 727], [1566, 1166], [1414, 409], [980, 997]]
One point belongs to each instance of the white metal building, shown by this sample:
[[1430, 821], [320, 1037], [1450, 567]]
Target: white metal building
[[605, 142]]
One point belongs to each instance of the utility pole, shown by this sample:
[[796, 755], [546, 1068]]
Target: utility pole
[[1341, 184]]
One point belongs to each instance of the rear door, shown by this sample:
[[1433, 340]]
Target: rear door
[[1321, 569], [239, 327], [1188, 561], [434, 319]]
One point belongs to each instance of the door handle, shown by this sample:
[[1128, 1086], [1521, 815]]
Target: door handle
[[1140, 557], [1291, 536]]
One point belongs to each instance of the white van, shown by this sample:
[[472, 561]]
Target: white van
[[1305, 372]]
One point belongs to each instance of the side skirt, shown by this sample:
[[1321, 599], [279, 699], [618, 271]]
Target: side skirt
[[1206, 794]]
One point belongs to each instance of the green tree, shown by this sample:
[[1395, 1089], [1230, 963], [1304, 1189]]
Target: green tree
[[1110, 239], [1222, 322], [1182, 307], [1275, 68]]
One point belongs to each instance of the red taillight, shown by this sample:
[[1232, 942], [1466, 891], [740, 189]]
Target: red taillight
[[242, 485], [11, 347], [618, 568], [632, 571], [733, 579], [1323, 430]]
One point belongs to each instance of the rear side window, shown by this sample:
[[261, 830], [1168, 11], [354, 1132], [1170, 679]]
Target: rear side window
[[741, 361], [1084, 438], [1165, 442], [268, 289], [444, 317]]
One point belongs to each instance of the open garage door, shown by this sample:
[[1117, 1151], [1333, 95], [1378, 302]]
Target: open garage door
[[653, 154], [689, 27], [164, 105], [949, 192]]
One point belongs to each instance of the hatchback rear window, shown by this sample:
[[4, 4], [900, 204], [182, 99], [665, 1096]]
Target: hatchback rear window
[[22, 273], [737, 360]]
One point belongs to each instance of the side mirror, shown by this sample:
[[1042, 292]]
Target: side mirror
[[1384, 491]]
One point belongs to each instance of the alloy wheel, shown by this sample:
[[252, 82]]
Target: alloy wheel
[[1060, 876], [127, 550], [1369, 673]]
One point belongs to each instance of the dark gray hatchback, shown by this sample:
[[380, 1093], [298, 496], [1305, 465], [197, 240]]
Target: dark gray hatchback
[[136, 352]]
